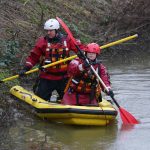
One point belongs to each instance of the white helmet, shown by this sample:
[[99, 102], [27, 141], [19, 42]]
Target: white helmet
[[51, 24]]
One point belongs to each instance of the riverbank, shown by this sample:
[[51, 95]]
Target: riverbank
[[98, 21]]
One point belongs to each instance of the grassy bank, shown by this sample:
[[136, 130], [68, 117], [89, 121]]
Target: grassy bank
[[100, 21]]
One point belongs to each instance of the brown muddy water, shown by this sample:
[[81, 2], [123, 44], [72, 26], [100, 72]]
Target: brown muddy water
[[131, 84]]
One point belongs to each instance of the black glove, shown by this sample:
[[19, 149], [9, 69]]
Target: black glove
[[110, 93], [41, 68], [23, 71], [86, 65], [80, 54]]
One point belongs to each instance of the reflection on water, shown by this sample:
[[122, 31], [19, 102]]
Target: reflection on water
[[58, 136], [131, 84]]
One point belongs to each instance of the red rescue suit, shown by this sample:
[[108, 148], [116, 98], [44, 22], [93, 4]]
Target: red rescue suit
[[83, 83], [51, 52]]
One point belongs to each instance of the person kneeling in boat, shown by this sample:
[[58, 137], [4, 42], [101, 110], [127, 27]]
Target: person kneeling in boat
[[84, 88]]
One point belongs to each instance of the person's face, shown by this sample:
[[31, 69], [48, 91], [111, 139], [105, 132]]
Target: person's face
[[91, 56], [51, 33]]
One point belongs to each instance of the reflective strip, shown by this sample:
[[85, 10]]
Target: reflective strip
[[65, 44], [81, 67], [74, 81], [29, 63], [47, 49], [47, 61], [96, 70], [48, 44]]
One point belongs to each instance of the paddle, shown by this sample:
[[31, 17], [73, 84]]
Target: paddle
[[126, 117], [72, 57], [36, 69]]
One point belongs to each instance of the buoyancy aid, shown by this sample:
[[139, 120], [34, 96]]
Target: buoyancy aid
[[55, 51], [86, 82]]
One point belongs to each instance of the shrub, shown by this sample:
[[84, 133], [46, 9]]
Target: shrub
[[9, 51]]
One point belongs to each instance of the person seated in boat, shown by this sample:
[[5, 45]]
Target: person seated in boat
[[52, 47], [83, 86]]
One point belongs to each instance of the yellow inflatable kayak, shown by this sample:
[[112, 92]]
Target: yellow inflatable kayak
[[67, 114]]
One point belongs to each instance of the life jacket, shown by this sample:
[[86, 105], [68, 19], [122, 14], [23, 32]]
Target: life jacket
[[55, 51], [86, 82]]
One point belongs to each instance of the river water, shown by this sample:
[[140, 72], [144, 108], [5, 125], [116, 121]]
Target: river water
[[131, 84]]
